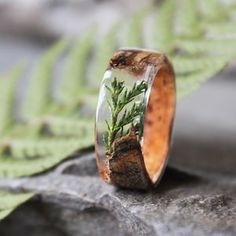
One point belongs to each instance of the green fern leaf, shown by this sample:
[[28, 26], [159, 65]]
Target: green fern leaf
[[221, 30], [104, 48], [186, 84], [7, 98], [185, 23], [213, 10], [133, 36], [38, 96], [74, 76], [209, 47], [163, 27], [35, 149], [10, 201], [185, 65], [68, 127], [31, 157]]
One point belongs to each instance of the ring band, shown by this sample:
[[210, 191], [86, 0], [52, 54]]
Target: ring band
[[134, 118]]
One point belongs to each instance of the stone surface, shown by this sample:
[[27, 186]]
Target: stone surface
[[71, 203]]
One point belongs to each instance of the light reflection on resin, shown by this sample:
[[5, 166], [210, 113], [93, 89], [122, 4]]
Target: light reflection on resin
[[121, 106]]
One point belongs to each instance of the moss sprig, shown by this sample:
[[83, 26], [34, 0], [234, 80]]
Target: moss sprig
[[120, 98]]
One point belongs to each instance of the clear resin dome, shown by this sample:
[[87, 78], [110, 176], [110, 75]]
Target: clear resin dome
[[120, 110]]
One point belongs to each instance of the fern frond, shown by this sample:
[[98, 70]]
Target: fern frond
[[10, 201], [5, 213], [67, 127], [74, 75], [38, 96], [221, 30], [134, 29], [7, 97], [187, 19], [104, 48], [186, 84], [184, 65], [213, 10], [36, 149], [23, 165], [163, 27], [209, 47]]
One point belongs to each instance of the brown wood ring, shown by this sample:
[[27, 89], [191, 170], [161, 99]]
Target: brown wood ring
[[132, 166]]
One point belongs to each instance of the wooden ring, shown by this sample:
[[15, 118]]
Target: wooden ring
[[134, 118]]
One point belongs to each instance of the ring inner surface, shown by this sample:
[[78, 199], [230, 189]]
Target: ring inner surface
[[158, 122]]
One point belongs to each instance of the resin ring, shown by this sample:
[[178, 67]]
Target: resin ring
[[134, 118]]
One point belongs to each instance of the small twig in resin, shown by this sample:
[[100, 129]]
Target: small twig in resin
[[120, 97]]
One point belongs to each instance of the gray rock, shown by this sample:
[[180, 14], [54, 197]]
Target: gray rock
[[68, 203]]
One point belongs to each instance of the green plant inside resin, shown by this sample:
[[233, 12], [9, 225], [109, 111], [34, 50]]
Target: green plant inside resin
[[124, 111]]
